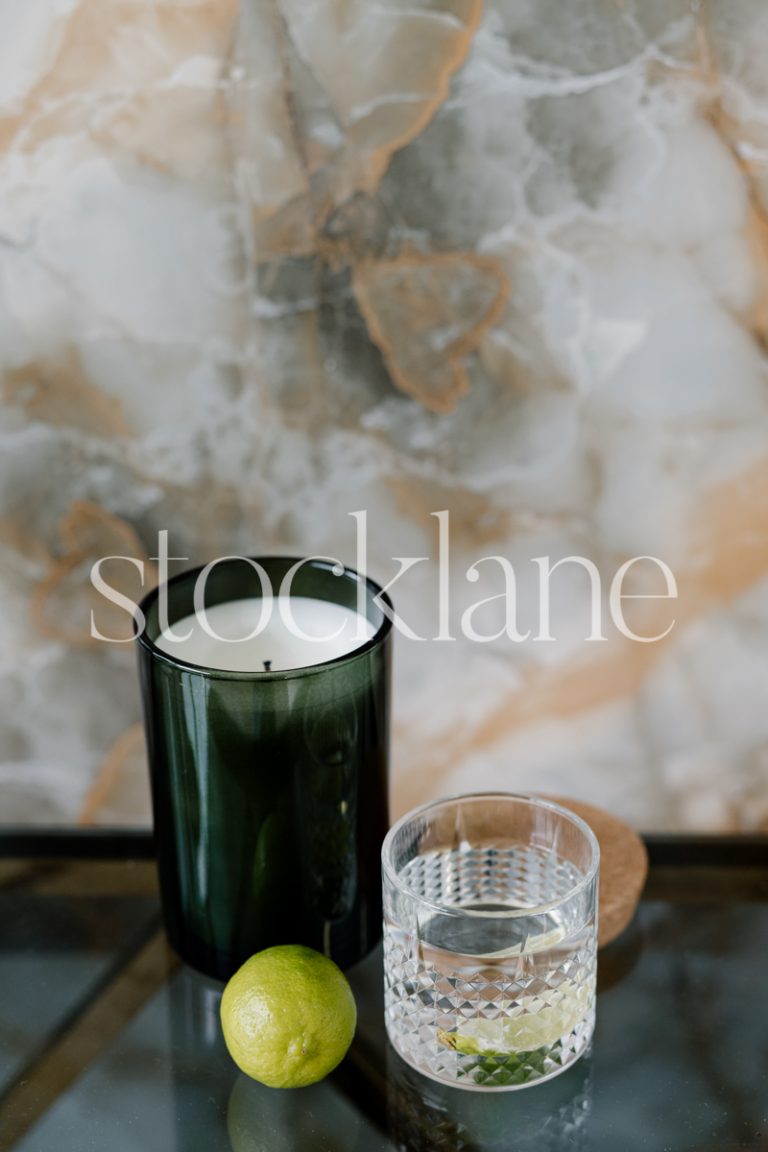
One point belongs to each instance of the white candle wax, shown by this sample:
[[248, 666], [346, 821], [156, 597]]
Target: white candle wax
[[300, 632]]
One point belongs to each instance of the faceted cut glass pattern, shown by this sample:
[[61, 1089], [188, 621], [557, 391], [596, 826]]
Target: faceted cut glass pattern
[[475, 996]]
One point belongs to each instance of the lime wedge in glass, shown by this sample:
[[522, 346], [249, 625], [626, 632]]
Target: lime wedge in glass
[[525, 1026]]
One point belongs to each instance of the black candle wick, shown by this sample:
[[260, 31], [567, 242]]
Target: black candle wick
[[267, 665]]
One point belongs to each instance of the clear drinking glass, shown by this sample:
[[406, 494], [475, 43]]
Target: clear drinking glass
[[490, 939]]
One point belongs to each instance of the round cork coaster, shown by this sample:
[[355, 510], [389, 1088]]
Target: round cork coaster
[[623, 867]]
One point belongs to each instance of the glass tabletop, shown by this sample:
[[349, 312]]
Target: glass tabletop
[[63, 935], [109, 1042]]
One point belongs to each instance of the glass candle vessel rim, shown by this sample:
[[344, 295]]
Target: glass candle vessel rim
[[533, 801], [372, 587]]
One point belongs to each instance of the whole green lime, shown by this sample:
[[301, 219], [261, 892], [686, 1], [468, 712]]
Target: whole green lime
[[288, 1016]]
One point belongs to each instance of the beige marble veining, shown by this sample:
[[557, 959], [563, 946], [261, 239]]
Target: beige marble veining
[[265, 265]]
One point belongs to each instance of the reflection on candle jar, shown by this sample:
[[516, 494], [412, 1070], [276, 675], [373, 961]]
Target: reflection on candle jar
[[327, 796], [269, 787]]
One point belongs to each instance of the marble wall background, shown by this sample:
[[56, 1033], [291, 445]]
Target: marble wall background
[[264, 264]]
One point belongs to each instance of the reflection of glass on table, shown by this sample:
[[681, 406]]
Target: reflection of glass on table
[[490, 912], [426, 1116]]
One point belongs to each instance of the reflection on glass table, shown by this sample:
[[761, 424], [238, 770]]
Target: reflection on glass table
[[679, 1058], [425, 1116], [61, 935]]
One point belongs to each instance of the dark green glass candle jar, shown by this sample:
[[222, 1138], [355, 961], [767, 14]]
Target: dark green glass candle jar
[[269, 788]]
